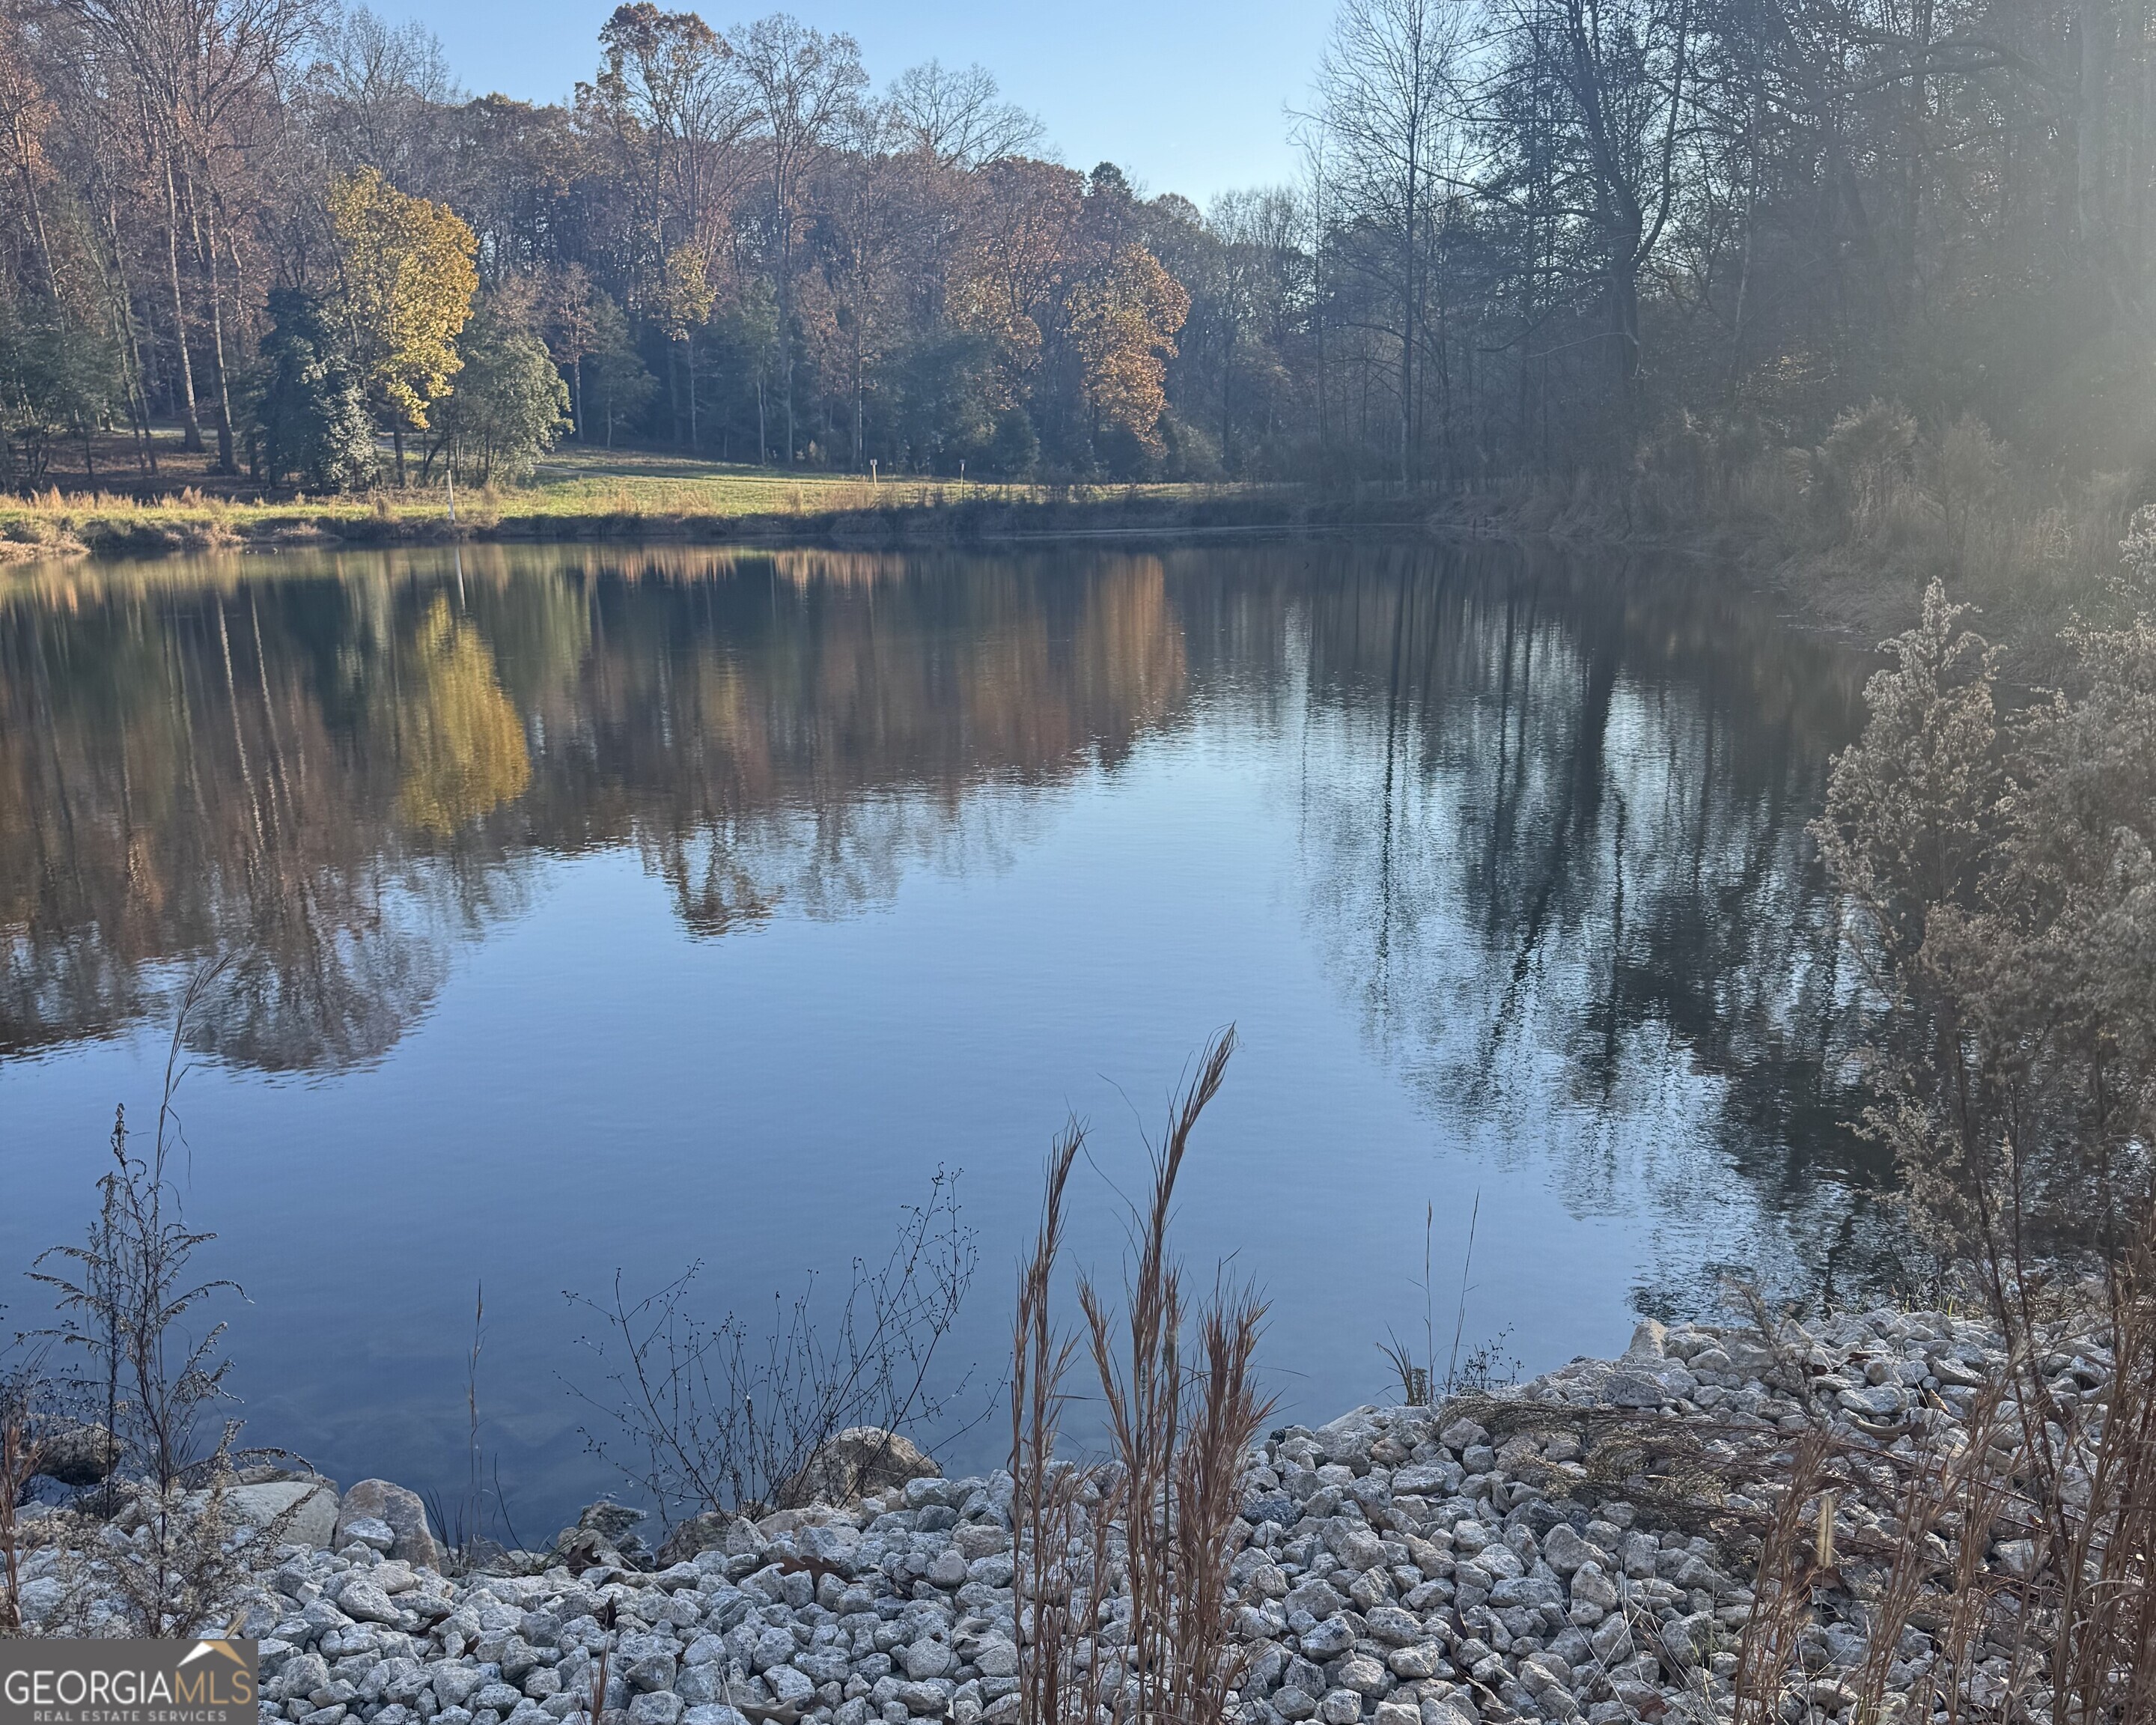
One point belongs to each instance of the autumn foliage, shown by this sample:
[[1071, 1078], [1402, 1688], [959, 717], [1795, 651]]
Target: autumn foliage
[[405, 266], [1124, 326]]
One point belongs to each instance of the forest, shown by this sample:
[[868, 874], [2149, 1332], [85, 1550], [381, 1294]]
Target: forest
[[1532, 238]]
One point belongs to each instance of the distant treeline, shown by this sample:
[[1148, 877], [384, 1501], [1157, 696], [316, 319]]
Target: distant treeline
[[1531, 236]]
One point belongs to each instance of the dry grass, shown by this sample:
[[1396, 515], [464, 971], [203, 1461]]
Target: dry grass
[[2019, 1544], [26, 1423], [1858, 525], [1122, 1571], [2014, 1538], [575, 488]]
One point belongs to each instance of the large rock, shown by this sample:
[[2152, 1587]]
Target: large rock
[[313, 1504], [75, 1455], [605, 1534], [1649, 1341], [705, 1531], [792, 1523], [860, 1460], [377, 1500]]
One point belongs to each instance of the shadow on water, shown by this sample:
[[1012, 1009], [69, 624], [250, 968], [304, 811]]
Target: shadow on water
[[1557, 849], [1543, 820]]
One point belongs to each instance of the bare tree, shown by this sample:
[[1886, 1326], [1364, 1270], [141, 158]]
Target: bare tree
[[704, 1416], [1623, 64], [805, 84], [203, 73], [955, 117], [1389, 100], [376, 93]]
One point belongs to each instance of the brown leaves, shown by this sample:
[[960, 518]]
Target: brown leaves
[[1124, 324]]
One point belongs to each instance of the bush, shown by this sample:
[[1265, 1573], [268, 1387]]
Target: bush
[[1014, 450], [703, 1418], [306, 410], [510, 404], [1868, 461], [2000, 873]]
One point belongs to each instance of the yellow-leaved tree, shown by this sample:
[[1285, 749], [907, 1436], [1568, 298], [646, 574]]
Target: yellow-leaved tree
[[1124, 322], [459, 741], [409, 281]]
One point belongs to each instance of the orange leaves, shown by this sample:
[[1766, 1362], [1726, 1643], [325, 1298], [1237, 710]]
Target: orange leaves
[[1124, 324]]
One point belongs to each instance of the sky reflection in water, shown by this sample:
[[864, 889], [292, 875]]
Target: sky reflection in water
[[614, 909]]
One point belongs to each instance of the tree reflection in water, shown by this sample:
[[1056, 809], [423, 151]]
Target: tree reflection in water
[[337, 769], [1554, 824], [1551, 815]]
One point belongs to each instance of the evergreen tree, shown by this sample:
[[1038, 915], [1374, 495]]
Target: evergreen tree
[[57, 380], [617, 384], [308, 410]]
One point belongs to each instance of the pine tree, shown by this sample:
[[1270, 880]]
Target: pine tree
[[308, 411]]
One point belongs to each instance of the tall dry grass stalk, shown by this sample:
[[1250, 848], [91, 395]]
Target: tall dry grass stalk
[[1781, 1601], [2018, 1538], [1044, 1509], [26, 1431], [2092, 1467], [1122, 1572]]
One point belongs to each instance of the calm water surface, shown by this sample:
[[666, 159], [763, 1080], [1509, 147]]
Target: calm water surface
[[611, 910]]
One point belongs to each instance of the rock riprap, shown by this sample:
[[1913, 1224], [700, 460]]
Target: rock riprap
[[1400, 1566]]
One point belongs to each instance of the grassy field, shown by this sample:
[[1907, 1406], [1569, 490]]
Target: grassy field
[[603, 482], [575, 492]]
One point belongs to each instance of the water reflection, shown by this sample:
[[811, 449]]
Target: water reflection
[[338, 767], [1556, 834], [1501, 861]]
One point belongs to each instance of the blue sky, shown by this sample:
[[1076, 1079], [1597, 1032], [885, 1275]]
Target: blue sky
[[1188, 96]]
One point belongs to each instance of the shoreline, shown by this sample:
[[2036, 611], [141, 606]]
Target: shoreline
[[1841, 585], [1516, 1554], [84, 529]]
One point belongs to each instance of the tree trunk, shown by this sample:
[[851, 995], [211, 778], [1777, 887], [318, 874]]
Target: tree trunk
[[1227, 379], [225, 463], [121, 311], [1408, 324], [786, 330], [397, 443], [191, 438], [696, 443], [33, 210], [2093, 26], [1624, 324]]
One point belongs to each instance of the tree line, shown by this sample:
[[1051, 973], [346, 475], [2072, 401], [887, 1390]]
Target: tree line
[[1531, 236], [1549, 232]]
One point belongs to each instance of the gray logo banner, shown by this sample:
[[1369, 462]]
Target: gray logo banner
[[213, 1680]]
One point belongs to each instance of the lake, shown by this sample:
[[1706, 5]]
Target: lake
[[607, 909]]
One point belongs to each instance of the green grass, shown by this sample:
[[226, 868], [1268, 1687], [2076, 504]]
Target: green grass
[[615, 488]]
